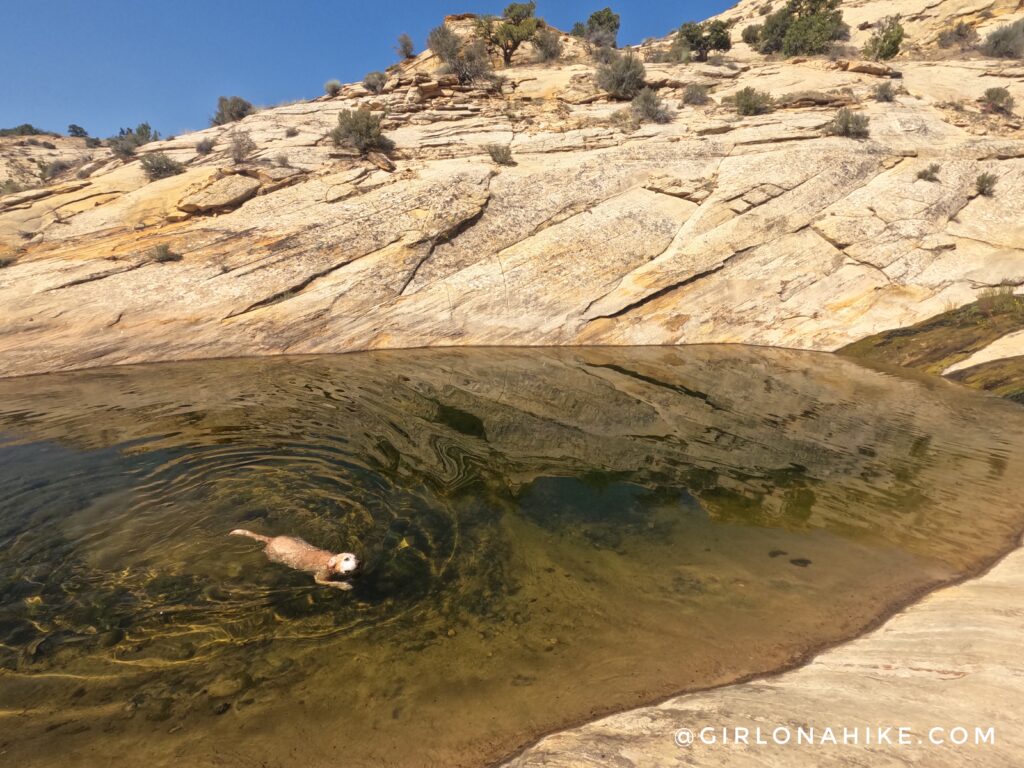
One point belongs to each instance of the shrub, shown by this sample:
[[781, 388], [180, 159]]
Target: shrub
[[764, 9], [283, 161], [231, 109], [848, 123], [622, 77], [162, 254], [752, 34], [985, 184], [48, 171], [25, 129], [332, 87], [92, 142], [931, 173], [601, 29], [679, 51], [129, 139], [242, 146], [6, 262], [960, 34], [157, 165], [405, 47], [648, 106], [705, 37], [997, 100], [885, 92], [695, 94], [749, 101], [473, 63], [1007, 42], [375, 81], [360, 128], [507, 34], [204, 147], [291, 133], [885, 40], [802, 28], [77, 132], [604, 54], [500, 153], [444, 43], [9, 187], [467, 62], [548, 45]]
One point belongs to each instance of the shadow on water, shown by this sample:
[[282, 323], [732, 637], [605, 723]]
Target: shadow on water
[[547, 535]]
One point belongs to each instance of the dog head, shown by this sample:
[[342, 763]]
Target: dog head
[[343, 563]]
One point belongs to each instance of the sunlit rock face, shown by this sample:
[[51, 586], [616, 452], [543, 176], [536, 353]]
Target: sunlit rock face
[[547, 535], [710, 228]]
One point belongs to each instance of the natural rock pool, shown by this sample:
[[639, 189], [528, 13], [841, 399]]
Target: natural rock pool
[[547, 534]]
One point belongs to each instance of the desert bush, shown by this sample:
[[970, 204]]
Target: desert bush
[[473, 63], [1001, 299], [469, 62], [751, 35], [604, 54], [960, 34], [291, 133], [242, 146], [375, 81], [332, 87], [601, 29], [802, 28], [360, 128], [1007, 42], [77, 132], [25, 129], [500, 153], [508, 33], [162, 254], [749, 101], [9, 187], [623, 77], [548, 45], [884, 42], [764, 9], [129, 139], [695, 93], [157, 165], [52, 169], [848, 123], [444, 43], [405, 47], [6, 261], [231, 109], [282, 160], [997, 100], [204, 147], [985, 184], [931, 173], [885, 92], [647, 106], [705, 37]]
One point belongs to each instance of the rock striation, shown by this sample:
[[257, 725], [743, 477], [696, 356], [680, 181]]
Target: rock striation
[[710, 228]]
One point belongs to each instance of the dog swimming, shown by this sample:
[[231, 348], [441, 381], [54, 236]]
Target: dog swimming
[[303, 556]]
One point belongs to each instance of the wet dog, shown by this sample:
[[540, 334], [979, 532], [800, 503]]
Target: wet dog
[[302, 556]]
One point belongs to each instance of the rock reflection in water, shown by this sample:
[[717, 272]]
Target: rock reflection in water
[[548, 535]]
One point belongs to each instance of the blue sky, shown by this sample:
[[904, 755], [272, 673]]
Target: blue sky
[[108, 63]]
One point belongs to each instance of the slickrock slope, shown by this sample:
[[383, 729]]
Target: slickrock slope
[[711, 228], [912, 673]]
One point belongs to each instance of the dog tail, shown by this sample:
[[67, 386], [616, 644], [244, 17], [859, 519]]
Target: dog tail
[[250, 534]]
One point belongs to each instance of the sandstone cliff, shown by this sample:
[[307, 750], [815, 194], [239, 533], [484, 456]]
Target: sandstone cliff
[[710, 228]]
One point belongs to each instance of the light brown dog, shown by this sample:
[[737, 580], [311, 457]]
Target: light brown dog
[[303, 556]]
